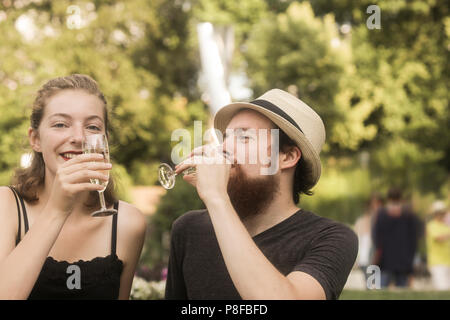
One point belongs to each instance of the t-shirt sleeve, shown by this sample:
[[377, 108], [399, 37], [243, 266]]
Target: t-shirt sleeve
[[175, 286], [330, 258]]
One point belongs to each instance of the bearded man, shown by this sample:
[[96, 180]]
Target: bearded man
[[252, 241]]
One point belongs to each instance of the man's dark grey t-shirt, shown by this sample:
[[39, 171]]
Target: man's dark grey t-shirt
[[305, 242]]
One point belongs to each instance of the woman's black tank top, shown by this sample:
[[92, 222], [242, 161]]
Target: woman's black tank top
[[98, 278]]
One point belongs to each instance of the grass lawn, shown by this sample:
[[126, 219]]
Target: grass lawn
[[394, 295]]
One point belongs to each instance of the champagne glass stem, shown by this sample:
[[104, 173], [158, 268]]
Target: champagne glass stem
[[102, 200]]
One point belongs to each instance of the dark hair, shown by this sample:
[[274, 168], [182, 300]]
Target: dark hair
[[394, 194], [28, 180], [303, 177]]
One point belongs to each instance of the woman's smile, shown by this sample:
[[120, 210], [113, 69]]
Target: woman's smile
[[70, 155]]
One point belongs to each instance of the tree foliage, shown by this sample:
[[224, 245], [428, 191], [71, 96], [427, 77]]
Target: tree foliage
[[384, 91], [138, 51]]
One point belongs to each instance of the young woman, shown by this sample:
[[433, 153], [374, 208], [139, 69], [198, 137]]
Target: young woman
[[50, 245]]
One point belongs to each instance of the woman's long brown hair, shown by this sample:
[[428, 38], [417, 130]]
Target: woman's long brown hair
[[29, 180]]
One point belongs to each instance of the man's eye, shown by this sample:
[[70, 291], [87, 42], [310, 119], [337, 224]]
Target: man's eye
[[59, 125]]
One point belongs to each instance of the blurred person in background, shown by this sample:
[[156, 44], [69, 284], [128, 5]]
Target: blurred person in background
[[363, 228], [447, 218], [438, 246], [396, 234]]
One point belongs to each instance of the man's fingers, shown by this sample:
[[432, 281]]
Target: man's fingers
[[214, 158], [184, 166], [188, 159], [206, 154], [205, 150], [191, 179]]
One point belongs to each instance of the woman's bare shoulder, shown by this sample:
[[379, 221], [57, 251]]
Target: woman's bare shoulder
[[6, 192], [131, 225], [8, 218], [7, 202], [131, 220]]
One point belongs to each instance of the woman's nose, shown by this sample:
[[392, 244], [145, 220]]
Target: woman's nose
[[78, 136]]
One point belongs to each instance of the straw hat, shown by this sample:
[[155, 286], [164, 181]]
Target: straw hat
[[299, 121]]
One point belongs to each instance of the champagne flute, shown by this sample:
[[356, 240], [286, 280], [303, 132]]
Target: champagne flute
[[98, 143], [167, 176]]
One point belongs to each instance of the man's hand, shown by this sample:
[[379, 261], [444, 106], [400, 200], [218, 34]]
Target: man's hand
[[212, 174], [212, 171]]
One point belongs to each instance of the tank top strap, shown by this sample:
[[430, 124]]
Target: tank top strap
[[114, 229], [24, 213], [19, 229]]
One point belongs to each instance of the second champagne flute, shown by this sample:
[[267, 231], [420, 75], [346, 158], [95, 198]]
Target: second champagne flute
[[167, 176]]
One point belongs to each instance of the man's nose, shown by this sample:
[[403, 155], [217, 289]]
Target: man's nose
[[228, 142], [228, 147], [225, 144]]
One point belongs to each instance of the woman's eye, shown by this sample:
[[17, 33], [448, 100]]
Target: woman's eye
[[95, 128], [59, 125]]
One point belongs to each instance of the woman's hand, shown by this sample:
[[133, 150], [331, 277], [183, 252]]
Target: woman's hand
[[73, 177]]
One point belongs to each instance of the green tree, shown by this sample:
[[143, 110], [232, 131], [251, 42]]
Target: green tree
[[383, 91], [293, 51]]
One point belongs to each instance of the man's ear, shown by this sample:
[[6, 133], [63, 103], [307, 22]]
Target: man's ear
[[35, 141], [290, 157]]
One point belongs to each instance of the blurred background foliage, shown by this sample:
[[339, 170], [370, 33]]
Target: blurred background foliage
[[382, 93]]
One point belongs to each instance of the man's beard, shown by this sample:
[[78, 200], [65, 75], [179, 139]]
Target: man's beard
[[250, 196]]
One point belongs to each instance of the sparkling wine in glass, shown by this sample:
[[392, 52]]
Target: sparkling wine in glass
[[167, 176], [98, 143]]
